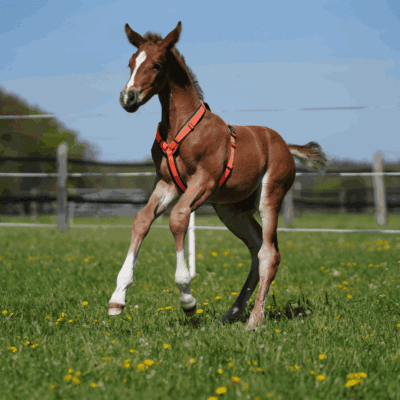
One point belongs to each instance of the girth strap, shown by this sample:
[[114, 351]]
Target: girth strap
[[171, 149]]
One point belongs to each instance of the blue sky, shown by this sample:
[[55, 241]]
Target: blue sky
[[71, 58]]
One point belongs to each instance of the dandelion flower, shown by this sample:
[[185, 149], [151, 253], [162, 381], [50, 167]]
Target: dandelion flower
[[149, 362], [221, 390], [218, 298], [85, 303], [235, 379], [141, 367], [322, 356], [166, 346], [212, 398], [220, 370], [94, 385], [320, 378], [199, 311], [349, 296], [352, 382]]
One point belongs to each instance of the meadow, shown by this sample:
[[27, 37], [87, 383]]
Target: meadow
[[332, 317]]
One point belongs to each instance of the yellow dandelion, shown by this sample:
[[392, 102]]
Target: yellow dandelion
[[234, 294], [4, 312], [220, 370], [235, 379], [320, 378], [94, 385], [78, 373], [206, 304], [240, 265], [270, 394], [212, 398], [218, 298], [352, 382], [85, 303], [149, 362], [53, 386], [132, 351], [199, 311], [221, 390], [349, 296], [322, 356], [67, 378], [141, 367], [224, 265], [167, 346]]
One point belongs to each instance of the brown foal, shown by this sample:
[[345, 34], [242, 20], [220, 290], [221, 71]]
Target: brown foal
[[263, 169]]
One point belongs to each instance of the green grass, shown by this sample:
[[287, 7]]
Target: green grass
[[334, 311], [333, 221]]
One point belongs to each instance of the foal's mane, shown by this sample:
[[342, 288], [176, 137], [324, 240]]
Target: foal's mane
[[156, 38]]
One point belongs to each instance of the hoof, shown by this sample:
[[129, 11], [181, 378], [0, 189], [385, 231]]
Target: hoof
[[115, 308], [189, 312]]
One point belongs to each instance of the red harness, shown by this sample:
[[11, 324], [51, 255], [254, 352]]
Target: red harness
[[171, 149]]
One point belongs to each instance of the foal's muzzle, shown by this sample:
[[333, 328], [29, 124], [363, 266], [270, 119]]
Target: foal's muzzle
[[129, 100]]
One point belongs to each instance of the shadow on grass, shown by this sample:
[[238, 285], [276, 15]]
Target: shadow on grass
[[290, 310]]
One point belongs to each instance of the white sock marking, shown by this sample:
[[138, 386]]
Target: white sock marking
[[124, 279], [182, 280]]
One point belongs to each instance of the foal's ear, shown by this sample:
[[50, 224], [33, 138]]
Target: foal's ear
[[133, 37], [173, 37]]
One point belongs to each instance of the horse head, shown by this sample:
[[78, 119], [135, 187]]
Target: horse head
[[149, 67]]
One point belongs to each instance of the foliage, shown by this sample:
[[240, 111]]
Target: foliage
[[38, 137]]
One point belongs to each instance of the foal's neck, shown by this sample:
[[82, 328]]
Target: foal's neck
[[178, 98]]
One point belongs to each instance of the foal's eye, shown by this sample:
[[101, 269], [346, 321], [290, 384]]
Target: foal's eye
[[156, 67]]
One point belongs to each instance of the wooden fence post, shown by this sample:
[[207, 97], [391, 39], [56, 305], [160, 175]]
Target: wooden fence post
[[379, 191], [62, 200], [342, 201], [33, 208], [288, 208]]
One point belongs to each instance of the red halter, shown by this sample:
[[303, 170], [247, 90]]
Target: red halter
[[170, 149]]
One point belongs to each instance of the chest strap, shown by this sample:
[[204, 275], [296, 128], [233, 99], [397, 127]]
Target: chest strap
[[171, 150]]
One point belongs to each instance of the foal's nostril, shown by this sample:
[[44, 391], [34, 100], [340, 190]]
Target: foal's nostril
[[132, 97]]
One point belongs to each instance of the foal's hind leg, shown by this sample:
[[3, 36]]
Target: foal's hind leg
[[245, 227], [272, 194]]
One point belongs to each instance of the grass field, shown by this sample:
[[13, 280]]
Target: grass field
[[332, 327]]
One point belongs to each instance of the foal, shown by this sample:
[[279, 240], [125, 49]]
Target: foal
[[212, 165]]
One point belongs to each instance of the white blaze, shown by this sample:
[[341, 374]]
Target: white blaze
[[138, 62]]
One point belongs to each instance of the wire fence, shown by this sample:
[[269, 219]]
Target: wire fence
[[339, 108]]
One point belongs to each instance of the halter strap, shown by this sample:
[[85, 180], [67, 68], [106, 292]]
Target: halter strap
[[170, 149]]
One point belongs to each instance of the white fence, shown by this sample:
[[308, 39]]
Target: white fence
[[62, 202]]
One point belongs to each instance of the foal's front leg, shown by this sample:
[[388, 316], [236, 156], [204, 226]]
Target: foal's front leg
[[163, 195], [193, 198]]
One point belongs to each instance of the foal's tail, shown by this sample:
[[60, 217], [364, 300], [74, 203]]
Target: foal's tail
[[311, 155]]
